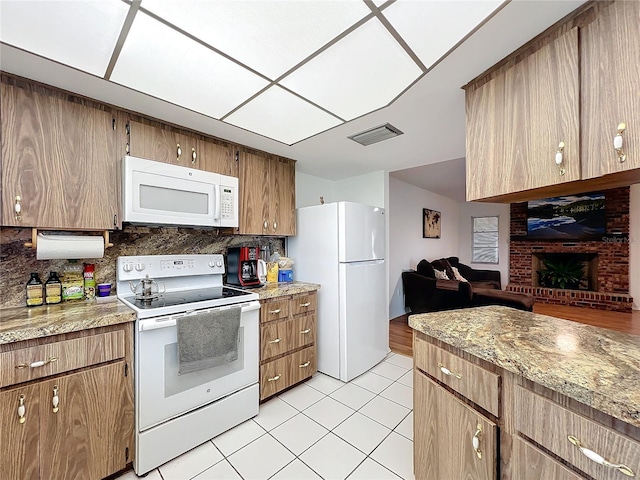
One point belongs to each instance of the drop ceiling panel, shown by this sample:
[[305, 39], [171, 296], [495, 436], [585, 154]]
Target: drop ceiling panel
[[282, 116], [269, 36], [431, 28], [80, 34], [161, 62], [360, 73]]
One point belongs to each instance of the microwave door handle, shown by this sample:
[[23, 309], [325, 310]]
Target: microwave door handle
[[216, 196]]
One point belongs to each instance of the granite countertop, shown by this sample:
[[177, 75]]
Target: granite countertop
[[22, 323], [271, 290], [595, 366]]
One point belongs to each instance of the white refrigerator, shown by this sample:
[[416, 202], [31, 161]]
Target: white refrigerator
[[341, 246]]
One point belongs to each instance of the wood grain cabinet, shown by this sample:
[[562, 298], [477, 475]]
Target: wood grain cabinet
[[267, 194], [59, 161], [610, 82], [75, 425], [524, 118], [287, 341]]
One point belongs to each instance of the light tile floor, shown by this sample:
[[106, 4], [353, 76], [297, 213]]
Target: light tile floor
[[321, 429]]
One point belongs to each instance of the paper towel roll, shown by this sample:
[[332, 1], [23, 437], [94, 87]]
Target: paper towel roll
[[50, 247]]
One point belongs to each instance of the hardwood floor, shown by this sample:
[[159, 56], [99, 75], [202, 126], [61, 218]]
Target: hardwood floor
[[401, 334]]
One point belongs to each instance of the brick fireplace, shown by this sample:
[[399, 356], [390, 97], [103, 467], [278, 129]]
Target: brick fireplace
[[606, 260]]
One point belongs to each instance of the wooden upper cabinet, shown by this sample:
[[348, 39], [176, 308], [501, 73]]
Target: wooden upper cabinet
[[59, 158], [518, 119], [217, 156], [282, 199], [161, 144], [610, 76], [254, 193]]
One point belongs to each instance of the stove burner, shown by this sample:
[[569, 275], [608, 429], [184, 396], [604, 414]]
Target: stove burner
[[184, 297]]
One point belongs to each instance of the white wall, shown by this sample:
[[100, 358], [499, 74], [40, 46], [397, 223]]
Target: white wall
[[406, 245], [634, 246], [309, 189], [368, 189], [479, 209]]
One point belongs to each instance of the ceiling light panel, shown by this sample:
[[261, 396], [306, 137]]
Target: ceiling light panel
[[269, 36], [432, 27], [80, 34], [159, 61], [360, 73], [280, 115]]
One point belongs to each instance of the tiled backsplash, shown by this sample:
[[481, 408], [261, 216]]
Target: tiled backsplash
[[16, 261]]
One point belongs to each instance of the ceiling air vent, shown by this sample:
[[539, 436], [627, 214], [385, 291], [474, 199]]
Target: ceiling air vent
[[375, 135]]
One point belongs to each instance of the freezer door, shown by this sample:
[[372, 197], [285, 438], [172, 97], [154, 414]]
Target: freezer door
[[364, 323], [361, 232]]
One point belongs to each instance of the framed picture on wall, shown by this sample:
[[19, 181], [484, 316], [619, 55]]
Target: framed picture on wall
[[430, 223]]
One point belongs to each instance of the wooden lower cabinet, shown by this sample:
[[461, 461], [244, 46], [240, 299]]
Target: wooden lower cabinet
[[286, 371], [445, 430], [531, 463]]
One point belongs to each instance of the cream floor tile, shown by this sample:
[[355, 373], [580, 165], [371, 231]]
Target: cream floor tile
[[389, 370], [220, 471], [406, 427], [352, 395], [302, 396], [362, 432], [396, 454], [239, 436], [296, 470], [371, 470], [384, 411], [131, 475], [332, 458], [190, 464], [396, 392], [329, 412], [324, 383], [407, 379], [401, 361], [372, 382], [261, 458], [274, 412], [299, 433]]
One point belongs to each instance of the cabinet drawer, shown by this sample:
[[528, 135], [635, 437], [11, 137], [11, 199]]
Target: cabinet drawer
[[281, 337], [550, 425], [304, 303], [286, 371], [474, 382], [531, 463], [43, 360], [274, 309]]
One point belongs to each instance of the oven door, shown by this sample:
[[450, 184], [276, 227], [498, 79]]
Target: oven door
[[162, 394]]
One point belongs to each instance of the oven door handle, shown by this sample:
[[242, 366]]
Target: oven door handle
[[170, 320]]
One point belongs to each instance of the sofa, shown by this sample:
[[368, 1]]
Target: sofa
[[447, 284]]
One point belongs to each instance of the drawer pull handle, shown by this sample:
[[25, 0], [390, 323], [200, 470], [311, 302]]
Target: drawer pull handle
[[305, 364], [448, 372], [306, 304], [595, 457], [273, 379], [22, 409], [275, 340], [475, 442], [55, 400], [304, 332], [37, 364], [275, 312]]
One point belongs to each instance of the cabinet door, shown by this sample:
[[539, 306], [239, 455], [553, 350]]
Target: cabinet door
[[610, 75], [254, 193], [282, 200], [444, 431], [88, 436], [516, 121], [161, 144], [19, 455], [59, 158], [530, 463], [217, 157]]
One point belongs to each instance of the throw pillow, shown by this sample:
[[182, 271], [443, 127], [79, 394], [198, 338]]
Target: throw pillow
[[441, 275], [425, 268], [457, 275]]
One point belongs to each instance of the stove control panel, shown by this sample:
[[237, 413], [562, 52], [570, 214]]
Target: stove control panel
[[159, 266]]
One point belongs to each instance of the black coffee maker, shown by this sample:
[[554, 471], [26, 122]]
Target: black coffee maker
[[242, 266]]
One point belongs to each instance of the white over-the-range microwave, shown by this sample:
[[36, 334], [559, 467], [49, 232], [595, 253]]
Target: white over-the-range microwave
[[156, 193]]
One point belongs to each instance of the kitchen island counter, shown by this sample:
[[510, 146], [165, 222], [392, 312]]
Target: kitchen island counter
[[597, 367], [272, 290], [22, 323]]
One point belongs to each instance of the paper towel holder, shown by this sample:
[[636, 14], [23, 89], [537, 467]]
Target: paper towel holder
[[34, 238]]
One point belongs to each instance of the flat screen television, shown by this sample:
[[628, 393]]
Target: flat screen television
[[574, 217]]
